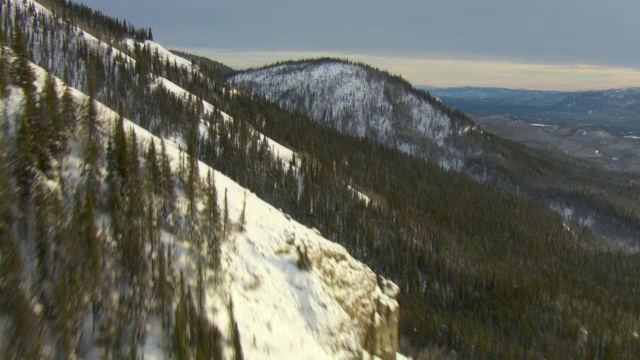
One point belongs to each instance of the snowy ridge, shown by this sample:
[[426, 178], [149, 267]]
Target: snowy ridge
[[163, 52], [354, 100], [329, 311], [279, 150], [284, 153], [335, 307], [325, 311]]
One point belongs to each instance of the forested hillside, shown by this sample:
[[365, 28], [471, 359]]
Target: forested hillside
[[116, 243], [481, 273], [359, 100]]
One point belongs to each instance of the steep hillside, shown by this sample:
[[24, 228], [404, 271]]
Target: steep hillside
[[169, 267], [361, 101]]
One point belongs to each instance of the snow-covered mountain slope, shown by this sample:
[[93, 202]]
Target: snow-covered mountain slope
[[329, 307], [334, 310], [358, 100], [290, 292]]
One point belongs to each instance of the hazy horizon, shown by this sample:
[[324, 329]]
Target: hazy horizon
[[546, 45]]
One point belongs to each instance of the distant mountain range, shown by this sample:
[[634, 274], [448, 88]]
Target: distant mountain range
[[617, 110]]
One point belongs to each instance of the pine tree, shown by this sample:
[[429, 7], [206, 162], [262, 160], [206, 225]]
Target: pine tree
[[133, 241], [226, 222], [68, 116], [4, 79], [115, 193], [153, 192], [46, 126], [193, 175], [154, 172], [235, 335], [212, 221], [167, 185], [243, 220], [6, 221], [21, 69], [91, 141], [120, 148], [87, 202], [23, 335], [25, 166]]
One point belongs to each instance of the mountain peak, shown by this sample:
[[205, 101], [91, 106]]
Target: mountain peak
[[362, 101]]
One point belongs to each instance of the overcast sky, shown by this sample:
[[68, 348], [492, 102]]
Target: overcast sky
[[553, 44]]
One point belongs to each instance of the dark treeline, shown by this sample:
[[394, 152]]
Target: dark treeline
[[481, 271], [86, 17]]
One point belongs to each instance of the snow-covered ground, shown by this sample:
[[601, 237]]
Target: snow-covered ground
[[347, 95], [282, 311], [279, 150], [327, 310]]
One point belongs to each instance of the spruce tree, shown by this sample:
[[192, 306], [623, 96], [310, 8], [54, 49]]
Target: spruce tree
[[243, 217], [21, 69], [212, 221], [46, 125], [193, 176], [167, 185], [120, 148], [23, 337], [4, 78], [68, 116], [133, 241], [226, 222]]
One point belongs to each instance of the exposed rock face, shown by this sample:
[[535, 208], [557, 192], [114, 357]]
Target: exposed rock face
[[369, 300], [386, 320], [359, 312]]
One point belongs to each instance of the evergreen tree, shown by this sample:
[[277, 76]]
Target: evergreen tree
[[46, 125], [88, 201], [154, 171], [4, 78], [25, 165], [68, 116], [21, 69], [212, 221], [193, 176], [226, 223], [120, 148], [115, 192], [134, 239], [153, 193], [23, 337], [243, 217], [235, 335], [167, 185]]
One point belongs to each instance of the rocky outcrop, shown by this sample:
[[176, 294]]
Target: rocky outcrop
[[385, 324], [369, 300]]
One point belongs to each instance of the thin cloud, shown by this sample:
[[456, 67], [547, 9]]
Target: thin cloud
[[454, 72]]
